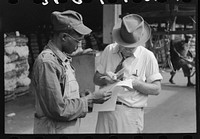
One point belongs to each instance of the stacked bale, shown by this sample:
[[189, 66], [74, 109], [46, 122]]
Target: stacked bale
[[16, 66]]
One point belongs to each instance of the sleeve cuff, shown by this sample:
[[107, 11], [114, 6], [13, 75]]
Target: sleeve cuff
[[85, 104], [154, 77]]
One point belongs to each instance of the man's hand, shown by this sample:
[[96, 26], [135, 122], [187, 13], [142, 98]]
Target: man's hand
[[99, 97], [110, 78], [103, 79], [134, 79], [85, 93]]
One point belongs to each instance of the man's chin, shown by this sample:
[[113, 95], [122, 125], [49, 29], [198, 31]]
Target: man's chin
[[77, 52]]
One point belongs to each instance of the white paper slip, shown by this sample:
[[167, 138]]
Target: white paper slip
[[110, 104]]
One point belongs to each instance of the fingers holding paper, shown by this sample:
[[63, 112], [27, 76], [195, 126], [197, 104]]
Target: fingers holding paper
[[85, 93], [100, 97]]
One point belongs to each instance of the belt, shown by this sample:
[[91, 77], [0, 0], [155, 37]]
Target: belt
[[121, 103], [38, 117]]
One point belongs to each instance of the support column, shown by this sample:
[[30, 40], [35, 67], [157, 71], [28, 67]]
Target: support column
[[194, 22], [110, 18], [173, 28]]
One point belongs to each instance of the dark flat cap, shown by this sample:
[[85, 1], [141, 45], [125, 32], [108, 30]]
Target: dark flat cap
[[69, 19]]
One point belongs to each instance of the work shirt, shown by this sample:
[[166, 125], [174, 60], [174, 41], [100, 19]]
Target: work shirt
[[181, 48], [143, 63], [58, 103]]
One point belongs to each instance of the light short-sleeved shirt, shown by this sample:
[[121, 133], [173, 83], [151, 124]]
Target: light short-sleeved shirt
[[143, 62]]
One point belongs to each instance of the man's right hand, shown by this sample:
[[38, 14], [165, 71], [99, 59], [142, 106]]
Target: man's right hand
[[108, 79], [103, 79]]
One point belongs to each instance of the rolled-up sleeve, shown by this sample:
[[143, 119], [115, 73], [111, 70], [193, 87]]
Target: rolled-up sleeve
[[152, 69], [100, 67], [50, 97]]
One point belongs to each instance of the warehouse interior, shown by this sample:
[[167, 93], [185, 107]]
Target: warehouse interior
[[30, 21], [33, 21]]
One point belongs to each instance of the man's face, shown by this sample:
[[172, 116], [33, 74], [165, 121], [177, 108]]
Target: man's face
[[126, 51], [72, 43]]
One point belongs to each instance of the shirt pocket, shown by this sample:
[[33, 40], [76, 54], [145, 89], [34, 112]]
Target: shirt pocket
[[73, 89], [71, 85]]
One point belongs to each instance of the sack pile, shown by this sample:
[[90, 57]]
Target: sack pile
[[16, 66]]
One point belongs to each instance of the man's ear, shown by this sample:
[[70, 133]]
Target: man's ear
[[63, 36]]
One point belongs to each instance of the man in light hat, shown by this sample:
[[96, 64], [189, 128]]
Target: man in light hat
[[139, 64], [58, 103]]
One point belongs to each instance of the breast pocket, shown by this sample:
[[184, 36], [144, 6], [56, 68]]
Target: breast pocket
[[73, 89], [71, 86]]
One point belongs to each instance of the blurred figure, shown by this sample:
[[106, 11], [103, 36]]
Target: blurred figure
[[181, 57]]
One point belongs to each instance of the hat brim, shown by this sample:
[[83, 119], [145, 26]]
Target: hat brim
[[117, 37], [82, 29]]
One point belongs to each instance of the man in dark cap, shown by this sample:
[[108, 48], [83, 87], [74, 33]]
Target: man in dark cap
[[59, 106]]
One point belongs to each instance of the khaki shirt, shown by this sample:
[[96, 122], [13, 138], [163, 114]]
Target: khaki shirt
[[58, 104]]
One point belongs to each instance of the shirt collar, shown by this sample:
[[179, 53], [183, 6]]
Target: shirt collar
[[136, 53], [116, 50], [62, 56]]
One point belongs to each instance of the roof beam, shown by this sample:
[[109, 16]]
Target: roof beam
[[175, 32], [159, 14]]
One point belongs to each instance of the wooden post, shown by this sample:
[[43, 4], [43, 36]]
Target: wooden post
[[110, 18], [194, 22], [173, 28]]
